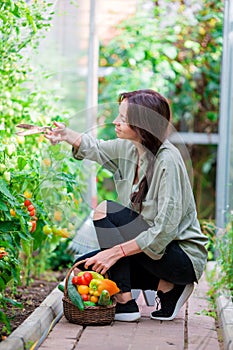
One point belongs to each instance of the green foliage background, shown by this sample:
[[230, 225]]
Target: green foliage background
[[175, 49]]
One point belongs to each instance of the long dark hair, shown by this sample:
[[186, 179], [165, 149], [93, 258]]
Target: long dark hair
[[148, 114]]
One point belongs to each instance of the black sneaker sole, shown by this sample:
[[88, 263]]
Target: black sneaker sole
[[181, 301]]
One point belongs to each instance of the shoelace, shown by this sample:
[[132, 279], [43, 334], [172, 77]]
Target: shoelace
[[157, 303]]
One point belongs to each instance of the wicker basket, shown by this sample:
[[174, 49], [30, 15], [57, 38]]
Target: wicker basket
[[91, 315]]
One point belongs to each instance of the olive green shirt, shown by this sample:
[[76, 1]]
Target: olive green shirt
[[169, 207]]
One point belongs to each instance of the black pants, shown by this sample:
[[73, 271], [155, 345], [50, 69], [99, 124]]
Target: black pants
[[139, 271]]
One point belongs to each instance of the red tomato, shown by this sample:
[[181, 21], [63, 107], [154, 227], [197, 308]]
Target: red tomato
[[88, 277], [27, 202], [85, 297], [31, 207], [75, 280], [81, 280], [84, 279], [33, 226], [32, 213]]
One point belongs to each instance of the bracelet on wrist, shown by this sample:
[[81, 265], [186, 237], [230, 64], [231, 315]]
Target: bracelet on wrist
[[122, 250]]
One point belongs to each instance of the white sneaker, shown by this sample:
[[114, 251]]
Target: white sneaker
[[127, 312]]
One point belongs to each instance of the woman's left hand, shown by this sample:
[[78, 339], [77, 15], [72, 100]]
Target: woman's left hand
[[58, 134], [102, 261]]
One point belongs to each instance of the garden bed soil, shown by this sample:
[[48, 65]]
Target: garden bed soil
[[30, 297]]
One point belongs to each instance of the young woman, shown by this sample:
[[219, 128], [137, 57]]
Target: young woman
[[151, 238]]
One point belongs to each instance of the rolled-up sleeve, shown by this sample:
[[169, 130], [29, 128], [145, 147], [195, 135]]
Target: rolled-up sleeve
[[103, 152]]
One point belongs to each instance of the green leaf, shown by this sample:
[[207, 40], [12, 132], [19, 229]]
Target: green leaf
[[178, 67], [2, 283], [8, 226], [170, 51], [17, 29], [24, 236], [6, 275], [4, 319], [31, 21], [26, 245], [4, 190], [213, 116], [3, 206], [21, 162], [189, 44], [16, 11], [13, 302]]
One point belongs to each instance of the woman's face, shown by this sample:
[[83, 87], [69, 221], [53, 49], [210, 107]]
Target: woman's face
[[122, 128]]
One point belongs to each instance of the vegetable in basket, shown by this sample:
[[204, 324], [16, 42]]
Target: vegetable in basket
[[89, 303], [74, 295], [94, 274], [104, 298], [61, 287], [96, 286]]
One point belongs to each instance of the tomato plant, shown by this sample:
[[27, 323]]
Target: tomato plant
[[32, 192]]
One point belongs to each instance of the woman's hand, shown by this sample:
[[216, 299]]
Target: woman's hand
[[57, 134], [62, 133], [102, 261]]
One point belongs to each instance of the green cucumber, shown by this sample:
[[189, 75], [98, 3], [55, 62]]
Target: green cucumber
[[74, 295], [61, 287], [104, 298]]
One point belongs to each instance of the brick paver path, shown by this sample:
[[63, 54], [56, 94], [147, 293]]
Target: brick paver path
[[192, 329]]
